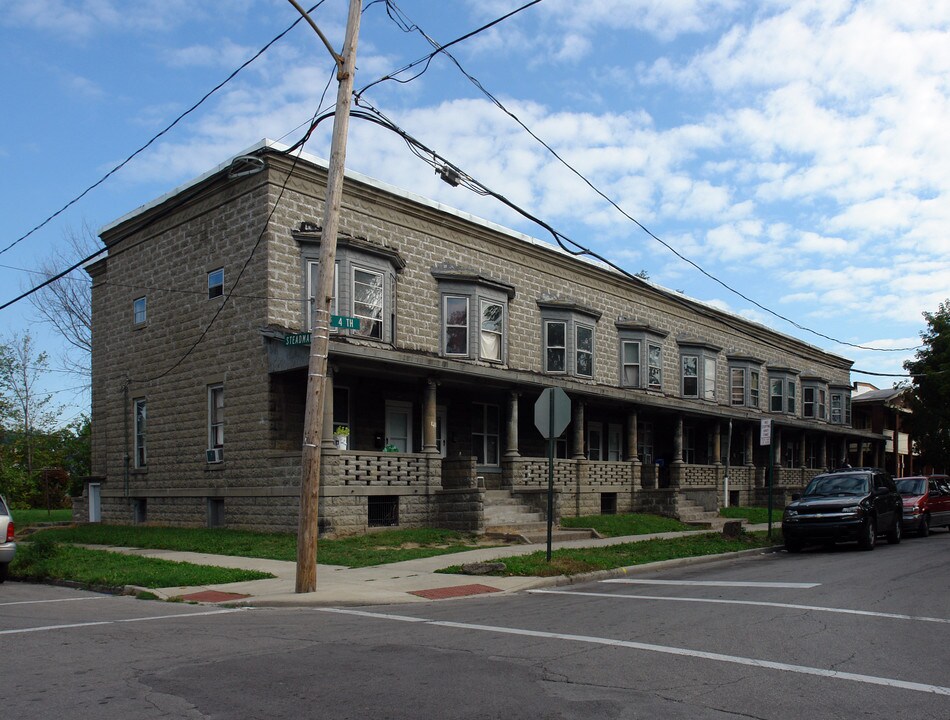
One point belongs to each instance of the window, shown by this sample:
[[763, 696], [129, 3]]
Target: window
[[139, 315], [140, 458], [568, 338], [456, 325], [382, 510], [814, 398], [698, 369], [485, 438], [368, 302], [782, 390], [640, 348], [645, 442], [584, 344], [630, 364], [491, 333], [473, 314], [215, 417], [555, 347], [744, 381], [216, 283], [595, 441]]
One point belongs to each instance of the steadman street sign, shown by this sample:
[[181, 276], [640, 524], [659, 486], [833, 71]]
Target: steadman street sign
[[341, 322]]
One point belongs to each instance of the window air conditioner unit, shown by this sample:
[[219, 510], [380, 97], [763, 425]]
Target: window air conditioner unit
[[215, 455]]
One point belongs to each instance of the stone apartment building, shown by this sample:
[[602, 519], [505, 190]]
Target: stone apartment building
[[200, 368]]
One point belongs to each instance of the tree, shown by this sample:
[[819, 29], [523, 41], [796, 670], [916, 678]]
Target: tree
[[66, 304], [930, 399]]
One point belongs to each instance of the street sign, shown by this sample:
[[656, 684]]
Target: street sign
[[765, 432], [344, 323], [552, 412], [298, 339]]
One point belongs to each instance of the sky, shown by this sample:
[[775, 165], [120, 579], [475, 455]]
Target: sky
[[797, 152]]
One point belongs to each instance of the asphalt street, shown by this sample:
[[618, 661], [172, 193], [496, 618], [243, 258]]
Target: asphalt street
[[824, 634]]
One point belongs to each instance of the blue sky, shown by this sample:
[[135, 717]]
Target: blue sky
[[798, 151]]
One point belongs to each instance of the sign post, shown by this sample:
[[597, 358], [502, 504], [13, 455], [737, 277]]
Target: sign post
[[765, 438], [552, 413]]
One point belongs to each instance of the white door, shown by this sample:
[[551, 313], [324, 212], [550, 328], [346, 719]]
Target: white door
[[94, 502], [399, 426]]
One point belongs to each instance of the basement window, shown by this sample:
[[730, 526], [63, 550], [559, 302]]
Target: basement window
[[382, 510]]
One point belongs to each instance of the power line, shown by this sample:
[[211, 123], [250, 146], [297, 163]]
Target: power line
[[156, 136], [407, 25]]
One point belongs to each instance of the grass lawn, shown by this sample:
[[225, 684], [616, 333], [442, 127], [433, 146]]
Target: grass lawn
[[375, 548], [629, 524], [44, 559], [755, 515], [581, 560], [22, 518]]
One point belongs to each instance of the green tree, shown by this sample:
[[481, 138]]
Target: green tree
[[930, 399]]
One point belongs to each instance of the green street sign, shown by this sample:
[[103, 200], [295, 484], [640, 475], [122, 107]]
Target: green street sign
[[298, 339], [344, 323]]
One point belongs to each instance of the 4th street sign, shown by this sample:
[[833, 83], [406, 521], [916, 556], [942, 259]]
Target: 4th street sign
[[341, 322]]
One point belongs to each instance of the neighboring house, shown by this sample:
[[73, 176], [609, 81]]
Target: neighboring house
[[885, 412], [199, 382]]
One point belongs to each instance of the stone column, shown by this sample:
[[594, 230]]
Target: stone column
[[823, 457], [750, 446], [578, 422], [512, 450], [327, 442], [632, 439], [430, 444], [861, 462], [802, 453], [843, 454], [678, 441], [777, 450], [717, 443]]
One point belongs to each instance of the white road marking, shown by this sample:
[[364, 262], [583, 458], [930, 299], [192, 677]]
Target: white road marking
[[714, 583], [790, 606], [667, 650], [65, 626], [38, 602]]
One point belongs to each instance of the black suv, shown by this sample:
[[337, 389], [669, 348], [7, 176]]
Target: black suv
[[847, 504]]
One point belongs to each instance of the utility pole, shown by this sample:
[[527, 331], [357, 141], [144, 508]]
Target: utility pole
[[320, 332]]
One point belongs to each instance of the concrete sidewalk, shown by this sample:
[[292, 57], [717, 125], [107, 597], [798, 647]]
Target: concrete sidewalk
[[410, 581]]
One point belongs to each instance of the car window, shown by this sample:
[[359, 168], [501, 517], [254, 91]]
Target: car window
[[838, 485], [911, 486]]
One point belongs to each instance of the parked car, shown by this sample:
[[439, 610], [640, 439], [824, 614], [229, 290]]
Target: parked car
[[926, 502], [847, 504], [7, 545]]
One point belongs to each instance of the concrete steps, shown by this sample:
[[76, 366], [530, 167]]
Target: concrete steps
[[692, 513], [507, 517]]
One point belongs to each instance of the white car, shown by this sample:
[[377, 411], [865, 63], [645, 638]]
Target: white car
[[7, 546]]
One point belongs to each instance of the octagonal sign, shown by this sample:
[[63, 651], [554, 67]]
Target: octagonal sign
[[552, 412]]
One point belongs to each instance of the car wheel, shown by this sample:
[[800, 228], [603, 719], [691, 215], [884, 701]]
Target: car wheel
[[3, 571], [868, 535], [793, 546], [923, 530], [894, 534]]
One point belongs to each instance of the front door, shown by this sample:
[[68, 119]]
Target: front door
[[399, 426]]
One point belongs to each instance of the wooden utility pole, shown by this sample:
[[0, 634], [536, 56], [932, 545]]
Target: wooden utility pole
[[320, 332]]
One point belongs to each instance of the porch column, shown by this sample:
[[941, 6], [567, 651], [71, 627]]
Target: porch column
[[578, 421], [802, 454], [777, 451], [896, 443], [512, 450], [717, 443], [632, 439], [843, 455], [678, 441], [879, 450], [430, 444], [861, 462], [750, 446], [327, 442], [823, 457]]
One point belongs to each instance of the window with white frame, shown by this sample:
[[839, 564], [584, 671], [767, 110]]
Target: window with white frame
[[698, 366], [364, 283], [568, 337], [474, 314], [645, 442], [215, 416], [139, 311], [485, 434], [783, 391], [744, 381], [140, 456], [641, 355], [216, 283], [455, 311], [814, 398]]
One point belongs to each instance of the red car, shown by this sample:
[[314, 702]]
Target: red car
[[926, 502]]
